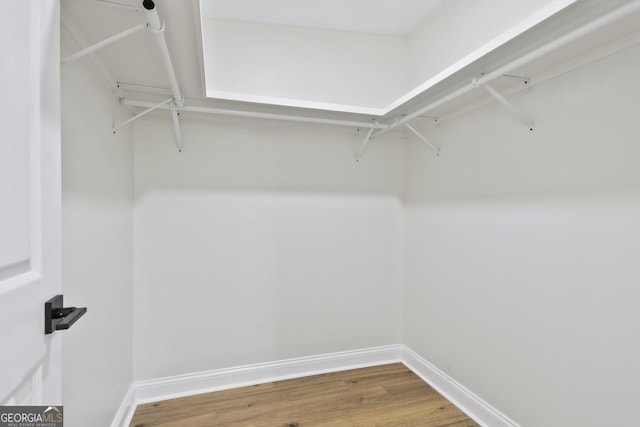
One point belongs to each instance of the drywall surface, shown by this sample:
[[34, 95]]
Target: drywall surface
[[262, 241], [97, 247], [522, 250], [302, 66], [454, 29]]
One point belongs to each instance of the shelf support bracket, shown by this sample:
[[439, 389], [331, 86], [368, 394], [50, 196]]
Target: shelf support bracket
[[436, 123], [365, 142], [422, 138], [509, 106], [175, 115], [105, 42], [137, 116], [526, 81]]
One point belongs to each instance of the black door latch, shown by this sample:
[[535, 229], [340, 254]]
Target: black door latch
[[57, 317]]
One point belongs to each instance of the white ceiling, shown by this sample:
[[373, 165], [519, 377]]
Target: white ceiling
[[396, 17]]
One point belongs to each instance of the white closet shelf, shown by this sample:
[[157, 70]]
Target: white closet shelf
[[402, 101], [542, 41], [574, 31], [563, 32]]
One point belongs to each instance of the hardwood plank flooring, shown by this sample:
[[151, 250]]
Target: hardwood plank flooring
[[389, 395]]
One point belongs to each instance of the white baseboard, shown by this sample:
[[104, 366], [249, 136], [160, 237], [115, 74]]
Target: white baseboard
[[126, 410], [476, 408], [222, 379]]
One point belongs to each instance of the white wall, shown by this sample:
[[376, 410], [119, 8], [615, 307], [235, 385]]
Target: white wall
[[97, 247], [456, 28], [522, 251], [302, 64], [262, 241]]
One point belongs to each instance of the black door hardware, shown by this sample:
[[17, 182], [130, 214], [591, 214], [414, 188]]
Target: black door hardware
[[57, 317]]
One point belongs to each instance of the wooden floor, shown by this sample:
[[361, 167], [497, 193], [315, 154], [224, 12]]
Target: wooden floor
[[389, 395]]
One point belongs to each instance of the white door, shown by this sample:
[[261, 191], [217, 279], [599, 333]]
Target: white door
[[29, 200]]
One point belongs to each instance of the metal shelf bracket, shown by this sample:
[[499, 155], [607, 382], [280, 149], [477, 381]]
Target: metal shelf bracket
[[526, 81], [137, 116], [175, 115], [365, 142], [509, 106], [105, 42], [422, 138]]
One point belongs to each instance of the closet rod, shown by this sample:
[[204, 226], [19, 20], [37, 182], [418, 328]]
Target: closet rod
[[157, 29], [257, 115], [582, 31]]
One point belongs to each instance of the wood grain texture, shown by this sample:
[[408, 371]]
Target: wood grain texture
[[389, 395]]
